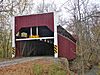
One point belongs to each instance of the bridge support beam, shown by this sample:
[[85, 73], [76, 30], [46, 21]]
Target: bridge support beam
[[55, 35], [13, 37]]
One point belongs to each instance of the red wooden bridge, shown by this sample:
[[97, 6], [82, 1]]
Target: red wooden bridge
[[39, 35]]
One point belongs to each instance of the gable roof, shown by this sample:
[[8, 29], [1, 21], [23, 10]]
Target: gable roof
[[63, 32]]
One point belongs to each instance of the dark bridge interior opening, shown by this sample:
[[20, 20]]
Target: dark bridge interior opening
[[37, 47], [43, 31]]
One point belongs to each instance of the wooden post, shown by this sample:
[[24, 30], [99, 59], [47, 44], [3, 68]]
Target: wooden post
[[55, 35], [37, 30], [13, 36], [30, 31]]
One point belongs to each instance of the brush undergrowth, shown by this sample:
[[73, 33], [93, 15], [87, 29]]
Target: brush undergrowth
[[53, 69]]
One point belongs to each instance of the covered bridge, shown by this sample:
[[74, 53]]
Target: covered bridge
[[37, 34]]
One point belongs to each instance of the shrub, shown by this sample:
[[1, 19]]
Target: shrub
[[56, 69]]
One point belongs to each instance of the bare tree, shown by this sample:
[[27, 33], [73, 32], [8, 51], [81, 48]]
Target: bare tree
[[9, 9], [85, 24]]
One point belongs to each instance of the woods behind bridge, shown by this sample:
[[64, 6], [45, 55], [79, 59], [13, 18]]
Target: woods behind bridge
[[84, 23]]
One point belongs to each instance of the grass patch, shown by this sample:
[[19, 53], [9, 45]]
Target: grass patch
[[49, 69], [56, 69], [61, 72], [37, 69]]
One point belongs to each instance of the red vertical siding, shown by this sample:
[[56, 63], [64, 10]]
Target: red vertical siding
[[46, 19], [66, 48]]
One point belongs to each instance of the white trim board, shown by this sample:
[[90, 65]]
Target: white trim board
[[40, 38]]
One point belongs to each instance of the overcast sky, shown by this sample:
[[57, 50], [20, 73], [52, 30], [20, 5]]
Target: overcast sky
[[66, 3], [60, 2]]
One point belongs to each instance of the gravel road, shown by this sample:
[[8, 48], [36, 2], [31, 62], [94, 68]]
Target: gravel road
[[19, 60]]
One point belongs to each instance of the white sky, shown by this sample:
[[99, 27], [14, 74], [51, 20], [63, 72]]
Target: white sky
[[60, 2], [67, 4]]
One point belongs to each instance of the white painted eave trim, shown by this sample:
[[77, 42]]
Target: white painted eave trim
[[40, 38]]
